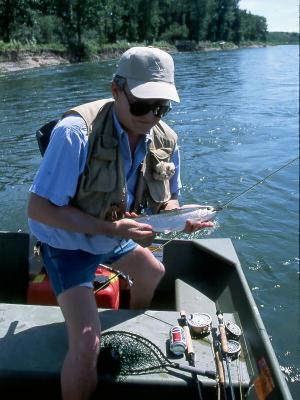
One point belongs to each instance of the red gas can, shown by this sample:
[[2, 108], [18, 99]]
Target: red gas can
[[40, 291], [109, 295]]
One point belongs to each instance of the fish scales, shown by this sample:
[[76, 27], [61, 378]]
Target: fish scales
[[175, 220]]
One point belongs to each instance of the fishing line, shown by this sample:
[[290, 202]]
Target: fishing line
[[217, 353], [240, 378], [98, 288], [191, 357], [210, 340], [224, 348], [219, 208], [158, 319]]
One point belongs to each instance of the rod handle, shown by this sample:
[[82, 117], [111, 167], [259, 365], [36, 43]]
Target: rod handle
[[189, 343], [219, 365], [223, 338], [195, 370]]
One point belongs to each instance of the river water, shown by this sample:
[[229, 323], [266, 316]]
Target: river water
[[237, 123]]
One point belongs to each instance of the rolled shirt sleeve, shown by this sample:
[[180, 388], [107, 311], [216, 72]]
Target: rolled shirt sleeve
[[63, 162]]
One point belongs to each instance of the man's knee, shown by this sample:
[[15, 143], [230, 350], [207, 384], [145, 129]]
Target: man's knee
[[152, 264], [161, 269], [86, 347]]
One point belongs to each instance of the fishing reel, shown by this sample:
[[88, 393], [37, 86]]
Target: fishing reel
[[234, 349], [233, 331], [200, 323]]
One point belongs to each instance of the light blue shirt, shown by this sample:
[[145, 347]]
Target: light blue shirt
[[61, 167]]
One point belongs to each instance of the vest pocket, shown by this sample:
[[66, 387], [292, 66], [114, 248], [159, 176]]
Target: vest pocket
[[160, 166], [102, 177], [160, 155], [158, 173]]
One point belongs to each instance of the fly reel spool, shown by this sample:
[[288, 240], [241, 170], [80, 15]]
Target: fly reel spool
[[200, 323], [234, 349], [233, 331]]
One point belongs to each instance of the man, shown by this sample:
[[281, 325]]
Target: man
[[106, 160]]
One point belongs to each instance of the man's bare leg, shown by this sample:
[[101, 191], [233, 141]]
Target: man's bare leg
[[146, 272], [79, 372]]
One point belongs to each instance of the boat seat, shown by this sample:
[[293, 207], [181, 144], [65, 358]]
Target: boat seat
[[14, 269], [188, 297]]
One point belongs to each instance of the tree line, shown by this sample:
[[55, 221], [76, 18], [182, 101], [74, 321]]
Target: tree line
[[76, 22]]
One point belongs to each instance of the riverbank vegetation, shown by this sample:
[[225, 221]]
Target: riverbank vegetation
[[283, 38], [85, 29]]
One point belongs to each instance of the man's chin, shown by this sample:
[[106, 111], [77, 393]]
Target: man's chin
[[143, 128], [143, 132]]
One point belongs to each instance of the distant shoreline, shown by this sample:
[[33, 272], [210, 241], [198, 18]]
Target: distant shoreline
[[16, 60]]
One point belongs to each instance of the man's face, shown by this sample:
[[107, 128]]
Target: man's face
[[137, 115]]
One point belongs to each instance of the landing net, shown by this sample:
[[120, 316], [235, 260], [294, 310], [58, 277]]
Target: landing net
[[125, 353]]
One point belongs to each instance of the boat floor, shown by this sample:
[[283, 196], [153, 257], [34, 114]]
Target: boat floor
[[33, 342], [201, 276]]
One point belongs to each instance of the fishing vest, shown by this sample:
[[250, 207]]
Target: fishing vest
[[101, 189]]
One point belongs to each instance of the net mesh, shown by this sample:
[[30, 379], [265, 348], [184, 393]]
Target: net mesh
[[125, 353]]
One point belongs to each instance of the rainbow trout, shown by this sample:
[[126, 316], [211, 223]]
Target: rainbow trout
[[175, 220]]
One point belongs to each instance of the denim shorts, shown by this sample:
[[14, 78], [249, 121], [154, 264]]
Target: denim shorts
[[70, 268]]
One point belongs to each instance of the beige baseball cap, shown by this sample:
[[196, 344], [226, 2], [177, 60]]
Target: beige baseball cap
[[149, 72]]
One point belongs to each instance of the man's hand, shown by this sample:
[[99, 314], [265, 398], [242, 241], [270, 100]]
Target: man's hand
[[129, 229], [74, 220], [130, 214], [190, 226], [193, 226], [145, 242]]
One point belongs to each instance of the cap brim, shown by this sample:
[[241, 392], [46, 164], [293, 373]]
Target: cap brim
[[153, 90]]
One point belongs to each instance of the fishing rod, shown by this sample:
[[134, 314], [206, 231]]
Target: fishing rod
[[220, 369], [224, 347], [100, 284], [219, 208], [190, 351]]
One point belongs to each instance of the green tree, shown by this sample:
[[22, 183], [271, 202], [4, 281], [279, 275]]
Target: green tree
[[112, 19], [129, 28], [78, 23], [175, 32], [261, 28], [171, 12], [16, 15], [77, 17], [226, 19], [149, 20], [197, 18], [252, 27]]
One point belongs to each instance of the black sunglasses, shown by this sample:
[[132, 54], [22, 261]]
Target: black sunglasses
[[139, 108]]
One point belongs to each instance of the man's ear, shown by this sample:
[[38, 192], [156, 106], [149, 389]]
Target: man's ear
[[115, 90]]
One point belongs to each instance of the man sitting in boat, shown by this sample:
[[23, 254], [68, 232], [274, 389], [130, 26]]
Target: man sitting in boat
[[106, 160]]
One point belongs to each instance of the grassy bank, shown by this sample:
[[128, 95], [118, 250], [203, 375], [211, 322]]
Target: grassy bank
[[15, 51], [15, 55]]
